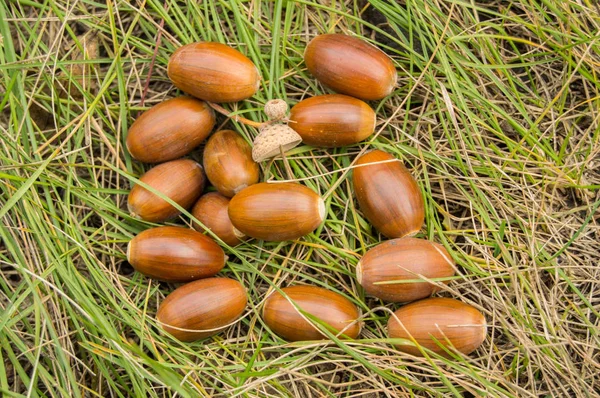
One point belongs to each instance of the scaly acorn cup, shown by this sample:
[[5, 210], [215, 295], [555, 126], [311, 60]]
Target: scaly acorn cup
[[276, 212], [213, 72], [175, 254], [388, 195], [180, 180], [447, 321], [383, 269], [330, 307], [202, 305], [228, 163], [351, 66], [170, 130], [332, 120], [211, 210]]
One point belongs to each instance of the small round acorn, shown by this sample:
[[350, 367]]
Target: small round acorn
[[211, 210]]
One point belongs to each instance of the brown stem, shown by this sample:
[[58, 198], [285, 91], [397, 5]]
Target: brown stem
[[237, 118]]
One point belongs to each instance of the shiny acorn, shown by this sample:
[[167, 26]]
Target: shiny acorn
[[211, 210], [170, 130], [330, 307], [332, 120], [203, 307], [277, 211], [213, 72], [388, 195], [180, 180], [349, 65], [383, 269], [450, 322], [228, 163], [175, 254]]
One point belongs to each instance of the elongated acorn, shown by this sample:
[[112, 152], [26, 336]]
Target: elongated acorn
[[385, 270], [449, 322], [211, 210], [351, 66], [332, 120], [329, 307], [203, 308], [180, 180], [170, 130], [213, 72], [388, 195], [276, 212]]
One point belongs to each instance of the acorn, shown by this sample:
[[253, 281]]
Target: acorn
[[203, 307], [170, 130], [388, 195], [175, 254], [383, 269], [180, 180], [211, 210], [450, 322], [276, 212], [228, 163], [332, 308], [213, 72], [351, 66], [332, 120]]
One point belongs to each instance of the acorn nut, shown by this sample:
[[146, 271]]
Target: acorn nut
[[175, 254], [202, 308], [388, 195], [383, 269], [170, 130], [228, 163], [351, 66], [276, 212], [332, 120], [339, 313], [446, 321], [213, 72], [211, 210], [180, 180]]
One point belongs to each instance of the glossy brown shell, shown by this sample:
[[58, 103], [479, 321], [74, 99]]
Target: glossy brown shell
[[228, 163], [332, 120], [170, 130], [400, 260], [388, 195], [349, 65], [330, 307], [201, 305], [443, 319], [213, 72], [211, 210], [276, 212], [175, 254], [180, 180]]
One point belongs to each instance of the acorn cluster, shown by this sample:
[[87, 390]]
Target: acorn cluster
[[400, 270]]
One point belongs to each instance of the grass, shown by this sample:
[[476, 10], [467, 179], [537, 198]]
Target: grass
[[496, 113]]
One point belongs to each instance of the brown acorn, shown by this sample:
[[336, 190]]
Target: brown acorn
[[175, 254], [170, 130], [351, 66], [330, 307], [383, 268], [180, 180], [332, 120], [228, 163], [200, 306], [213, 72], [450, 322], [211, 210], [388, 195], [276, 212]]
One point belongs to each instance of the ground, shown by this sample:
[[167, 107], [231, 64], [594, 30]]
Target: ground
[[496, 113]]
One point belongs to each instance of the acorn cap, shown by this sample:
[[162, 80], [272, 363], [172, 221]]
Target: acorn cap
[[276, 109], [271, 138]]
